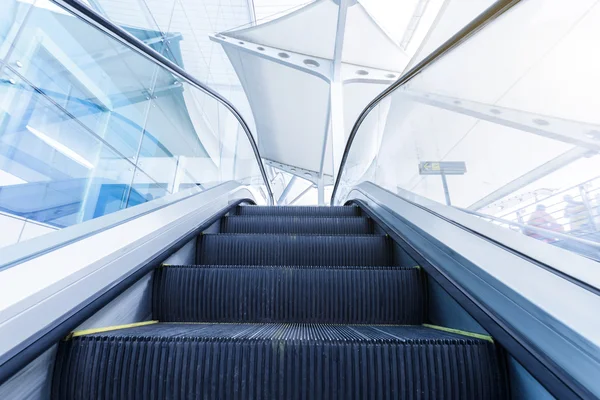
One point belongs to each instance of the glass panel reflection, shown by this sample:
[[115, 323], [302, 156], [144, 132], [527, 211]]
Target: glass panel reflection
[[51, 164], [89, 126], [12, 17], [96, 80], [516, 106]]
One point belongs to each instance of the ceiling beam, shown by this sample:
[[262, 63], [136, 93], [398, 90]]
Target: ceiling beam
[[577, 133], [335, 127], [420, 8], [252, 12], [319, 67], [530, 177]]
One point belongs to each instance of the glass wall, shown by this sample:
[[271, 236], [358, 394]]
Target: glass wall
[[184, 28], [89, 127], [505, 127]]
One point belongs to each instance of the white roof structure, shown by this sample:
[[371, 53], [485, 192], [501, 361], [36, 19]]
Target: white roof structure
[[307, 76], [517, 102]]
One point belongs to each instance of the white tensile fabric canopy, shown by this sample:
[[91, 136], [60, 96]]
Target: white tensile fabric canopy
[[289, 67]]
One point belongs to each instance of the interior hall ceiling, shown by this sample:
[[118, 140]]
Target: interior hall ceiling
[[371, 58], [289, 66]]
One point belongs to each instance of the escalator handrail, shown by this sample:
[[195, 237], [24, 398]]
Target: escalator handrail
[[128, 39], [490, 14]]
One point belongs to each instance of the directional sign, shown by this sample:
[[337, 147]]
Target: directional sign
[[442, 167]]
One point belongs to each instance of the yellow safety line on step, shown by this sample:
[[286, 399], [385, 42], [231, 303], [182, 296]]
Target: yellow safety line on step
[[458, 331], [109, 328]]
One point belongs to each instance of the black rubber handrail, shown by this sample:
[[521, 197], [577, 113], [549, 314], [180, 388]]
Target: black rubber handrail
[[490, 14], [119, 33]]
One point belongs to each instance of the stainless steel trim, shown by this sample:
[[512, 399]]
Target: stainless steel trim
[[552, 318], [49, 288], [83, 11], [493, 12], [20, 252]]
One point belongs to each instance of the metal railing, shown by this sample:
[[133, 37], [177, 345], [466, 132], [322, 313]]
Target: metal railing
[[577, 244], [574, 210], [91, 16]]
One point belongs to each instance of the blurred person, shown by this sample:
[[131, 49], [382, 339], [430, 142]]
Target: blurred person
[[540, 218]]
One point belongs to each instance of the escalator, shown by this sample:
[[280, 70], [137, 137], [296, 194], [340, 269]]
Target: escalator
[[286, 302], [410, 288]]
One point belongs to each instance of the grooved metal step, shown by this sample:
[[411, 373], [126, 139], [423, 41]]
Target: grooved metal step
[[248, 249], [286, 303], [306, 211], [347, 295], [273, 361], [297, 225]]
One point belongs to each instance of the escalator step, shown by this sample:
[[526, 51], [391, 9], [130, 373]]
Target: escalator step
[[278, 361], [367, 295], [298, 225], [244, 249], [304, 211]]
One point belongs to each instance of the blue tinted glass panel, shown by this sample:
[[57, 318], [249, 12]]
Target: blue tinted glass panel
[[98, 81], [53, 167]]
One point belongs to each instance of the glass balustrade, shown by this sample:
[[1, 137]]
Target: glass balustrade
[[505, 126], [89, 126]]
